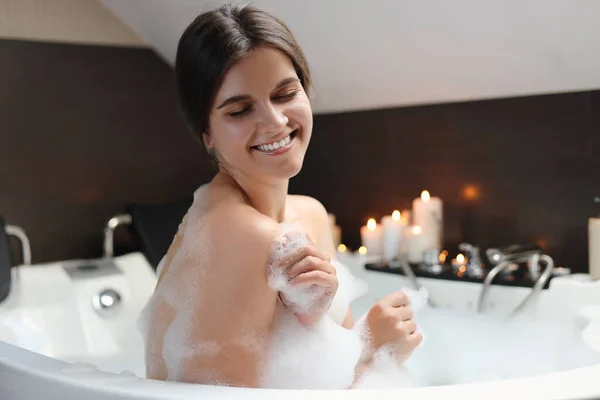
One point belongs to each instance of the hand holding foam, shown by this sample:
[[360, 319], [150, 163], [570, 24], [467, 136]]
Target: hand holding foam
[[389, 327], [304, 277]]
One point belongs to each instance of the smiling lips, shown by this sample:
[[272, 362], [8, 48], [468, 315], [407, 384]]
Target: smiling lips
[[278, 147]]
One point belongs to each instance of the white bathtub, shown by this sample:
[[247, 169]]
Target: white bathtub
[[48, 326]]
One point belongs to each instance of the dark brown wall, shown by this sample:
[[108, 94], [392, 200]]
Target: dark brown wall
[[86, 130], [535, 160]]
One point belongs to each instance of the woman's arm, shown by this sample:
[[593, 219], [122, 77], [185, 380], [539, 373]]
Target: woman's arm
[[349, 320], [234, 307]]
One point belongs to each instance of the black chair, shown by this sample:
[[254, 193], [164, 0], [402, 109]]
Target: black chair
[[153, 226], [5, 262]]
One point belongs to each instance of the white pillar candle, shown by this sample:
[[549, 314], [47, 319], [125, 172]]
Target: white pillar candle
[[594, 247], [371, 237], [406, 216], [416, 244], [393, 232], [428, 214]]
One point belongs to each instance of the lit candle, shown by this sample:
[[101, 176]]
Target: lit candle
[[416, 244], [406, 216], [370, 236], [393, 233], [427, 213], [458, 261], [594, 247]]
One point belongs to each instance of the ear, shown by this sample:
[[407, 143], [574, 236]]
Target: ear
[[207, 139]]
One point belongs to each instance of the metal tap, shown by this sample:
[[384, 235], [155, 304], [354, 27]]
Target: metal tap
[[506, 256], [109, 232], [474, 265]]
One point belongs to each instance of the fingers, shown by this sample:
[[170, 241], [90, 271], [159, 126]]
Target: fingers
[[316, 277], [415, 339], [403, 313], [304, 252], [310, 263], [409, 327], [396, 299]]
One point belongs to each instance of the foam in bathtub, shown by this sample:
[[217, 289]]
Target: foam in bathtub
[[322, 356]]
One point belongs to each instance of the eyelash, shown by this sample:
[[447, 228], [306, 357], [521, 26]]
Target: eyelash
[[283, 98]]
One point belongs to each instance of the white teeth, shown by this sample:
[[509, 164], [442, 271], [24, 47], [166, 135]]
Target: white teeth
[[275, 145]]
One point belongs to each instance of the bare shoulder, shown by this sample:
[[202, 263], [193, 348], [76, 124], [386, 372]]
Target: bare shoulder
[[309, 205], [228, 241], [231, 236], [240, 227], [314, 214], [221, 221]]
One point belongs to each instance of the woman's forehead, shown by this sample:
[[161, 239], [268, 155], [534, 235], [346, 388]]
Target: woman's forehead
[[258, 73]]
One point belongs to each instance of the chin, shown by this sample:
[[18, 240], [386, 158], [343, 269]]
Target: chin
[[290, 170]]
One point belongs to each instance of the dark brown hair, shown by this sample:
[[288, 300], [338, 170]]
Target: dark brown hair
[[213, 42]]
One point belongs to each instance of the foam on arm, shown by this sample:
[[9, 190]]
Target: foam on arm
[[217, 283]]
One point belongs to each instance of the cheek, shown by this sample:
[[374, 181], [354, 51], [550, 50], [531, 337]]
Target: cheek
[[301, 113], [231, 136]]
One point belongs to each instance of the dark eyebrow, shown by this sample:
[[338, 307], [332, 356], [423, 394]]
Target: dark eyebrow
[[234, 99], [287, 81]]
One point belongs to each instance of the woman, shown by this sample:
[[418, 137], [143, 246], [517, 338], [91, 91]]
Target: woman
[[243, 85]]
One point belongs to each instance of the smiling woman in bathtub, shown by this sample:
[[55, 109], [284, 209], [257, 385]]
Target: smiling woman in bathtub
[[248, 291]]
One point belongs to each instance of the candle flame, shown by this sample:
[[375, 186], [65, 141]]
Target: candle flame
[[342, 248], [417, 230], [396, 215], [443, 256], [460, 258], [362, 250], [371, 224], [425, 196]]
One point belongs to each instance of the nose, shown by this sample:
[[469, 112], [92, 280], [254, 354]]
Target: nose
[[272, 118]]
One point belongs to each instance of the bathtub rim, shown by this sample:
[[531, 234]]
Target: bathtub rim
[[577, 383]]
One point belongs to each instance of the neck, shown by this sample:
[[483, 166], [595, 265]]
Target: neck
[[268, 198]]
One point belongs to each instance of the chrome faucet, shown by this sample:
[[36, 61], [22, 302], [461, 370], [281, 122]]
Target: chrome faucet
[[109, 232], [474, 265], [506, 256], [540, 282], [19, 233]]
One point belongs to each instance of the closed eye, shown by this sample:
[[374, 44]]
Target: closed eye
[[286, 96], [240, 112], [282, 98]]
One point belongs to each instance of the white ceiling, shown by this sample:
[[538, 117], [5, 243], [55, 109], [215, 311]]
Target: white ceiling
[[386, 53]]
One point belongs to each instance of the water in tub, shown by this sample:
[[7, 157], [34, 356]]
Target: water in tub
[[458, 348]]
